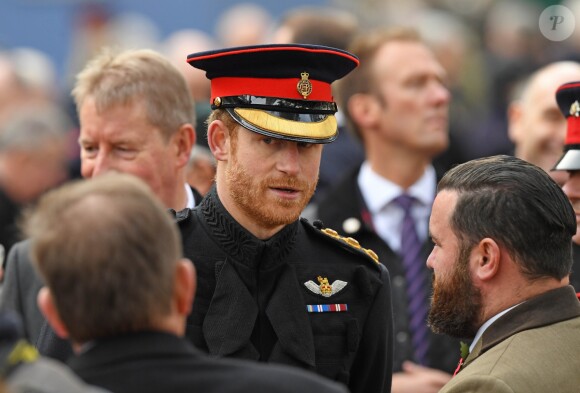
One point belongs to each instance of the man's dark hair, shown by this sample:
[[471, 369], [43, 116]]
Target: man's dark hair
[[520, 207]]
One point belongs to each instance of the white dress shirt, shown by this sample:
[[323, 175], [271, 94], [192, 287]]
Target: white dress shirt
[[487, 324], [379, 194], [190, 198]]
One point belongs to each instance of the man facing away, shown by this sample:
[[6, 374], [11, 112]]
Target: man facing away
[[117, 285], [397, 104], [136, 117], [503, 231], [274, 288]]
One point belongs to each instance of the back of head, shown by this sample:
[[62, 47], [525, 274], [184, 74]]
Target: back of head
[[137, 75], [243, 24], [107, 250], [325, 26], [519, 206]]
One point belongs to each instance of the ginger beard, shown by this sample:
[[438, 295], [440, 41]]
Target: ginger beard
[[456, 303], [252, 195]]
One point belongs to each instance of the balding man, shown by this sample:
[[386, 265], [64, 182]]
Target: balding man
[[536, 126]]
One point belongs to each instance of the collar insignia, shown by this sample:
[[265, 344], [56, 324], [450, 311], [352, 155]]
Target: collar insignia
[[575, 109], [324, 288], [304, 86]]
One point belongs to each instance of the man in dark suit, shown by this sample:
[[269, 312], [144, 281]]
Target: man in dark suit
[[136, 117], [273, 287], [117, 285], [397, 104], [502, 229]]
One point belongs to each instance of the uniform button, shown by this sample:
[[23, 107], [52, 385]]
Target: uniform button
[[398, 281], [402, 337], [351, 225]]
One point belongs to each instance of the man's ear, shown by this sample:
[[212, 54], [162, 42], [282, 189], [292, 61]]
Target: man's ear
[[363, 109], [486, 258], [515, 114], [184, 140], [48, 308], [218, 140], [185, 286]]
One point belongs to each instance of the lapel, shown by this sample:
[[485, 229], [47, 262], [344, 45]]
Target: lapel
[[231, 317], [546, 309], [287, 314], [473, 354]]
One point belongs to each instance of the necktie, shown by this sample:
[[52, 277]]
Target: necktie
[[416, 281]]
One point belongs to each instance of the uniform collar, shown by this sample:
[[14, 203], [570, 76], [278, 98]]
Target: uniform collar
[[240, 244]]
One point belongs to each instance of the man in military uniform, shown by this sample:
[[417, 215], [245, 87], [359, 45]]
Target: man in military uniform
[[272, 287], [568, 98]]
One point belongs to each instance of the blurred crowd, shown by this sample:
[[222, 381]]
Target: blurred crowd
[[488, 49]]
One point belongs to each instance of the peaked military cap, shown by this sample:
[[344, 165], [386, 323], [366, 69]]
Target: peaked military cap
[[282, 91], [568, 98]]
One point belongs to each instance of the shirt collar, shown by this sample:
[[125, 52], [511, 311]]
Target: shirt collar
[[487, 324], [190, 197], [378, 191]]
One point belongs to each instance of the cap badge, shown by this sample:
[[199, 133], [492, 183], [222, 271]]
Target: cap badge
[[304, 86], [325, 289], [575, 109]]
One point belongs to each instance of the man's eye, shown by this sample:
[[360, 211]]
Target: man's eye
[[267, 141], [89, 149]]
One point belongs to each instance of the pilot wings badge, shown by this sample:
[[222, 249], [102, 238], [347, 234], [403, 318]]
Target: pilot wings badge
[[325, 289]]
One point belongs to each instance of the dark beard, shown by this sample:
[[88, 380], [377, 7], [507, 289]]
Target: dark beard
[[456, 302]]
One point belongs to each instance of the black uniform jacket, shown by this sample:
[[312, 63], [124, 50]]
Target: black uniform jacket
[[345, 203], [155, 362], [253, 297]]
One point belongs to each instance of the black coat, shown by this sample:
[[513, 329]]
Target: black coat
[[345, 202], [252, 298], [152, 362]]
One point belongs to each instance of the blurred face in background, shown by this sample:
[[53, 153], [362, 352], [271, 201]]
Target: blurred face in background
[[572, 190], [411, 87], [536, 125]]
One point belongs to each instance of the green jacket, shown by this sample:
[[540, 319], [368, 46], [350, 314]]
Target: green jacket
[[533, 348]]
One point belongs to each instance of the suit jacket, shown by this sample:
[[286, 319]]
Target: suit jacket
[[345, 202], [20, 289], [9, 233], [532, 348], [46, 375], [155, 362], [263, 299]]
